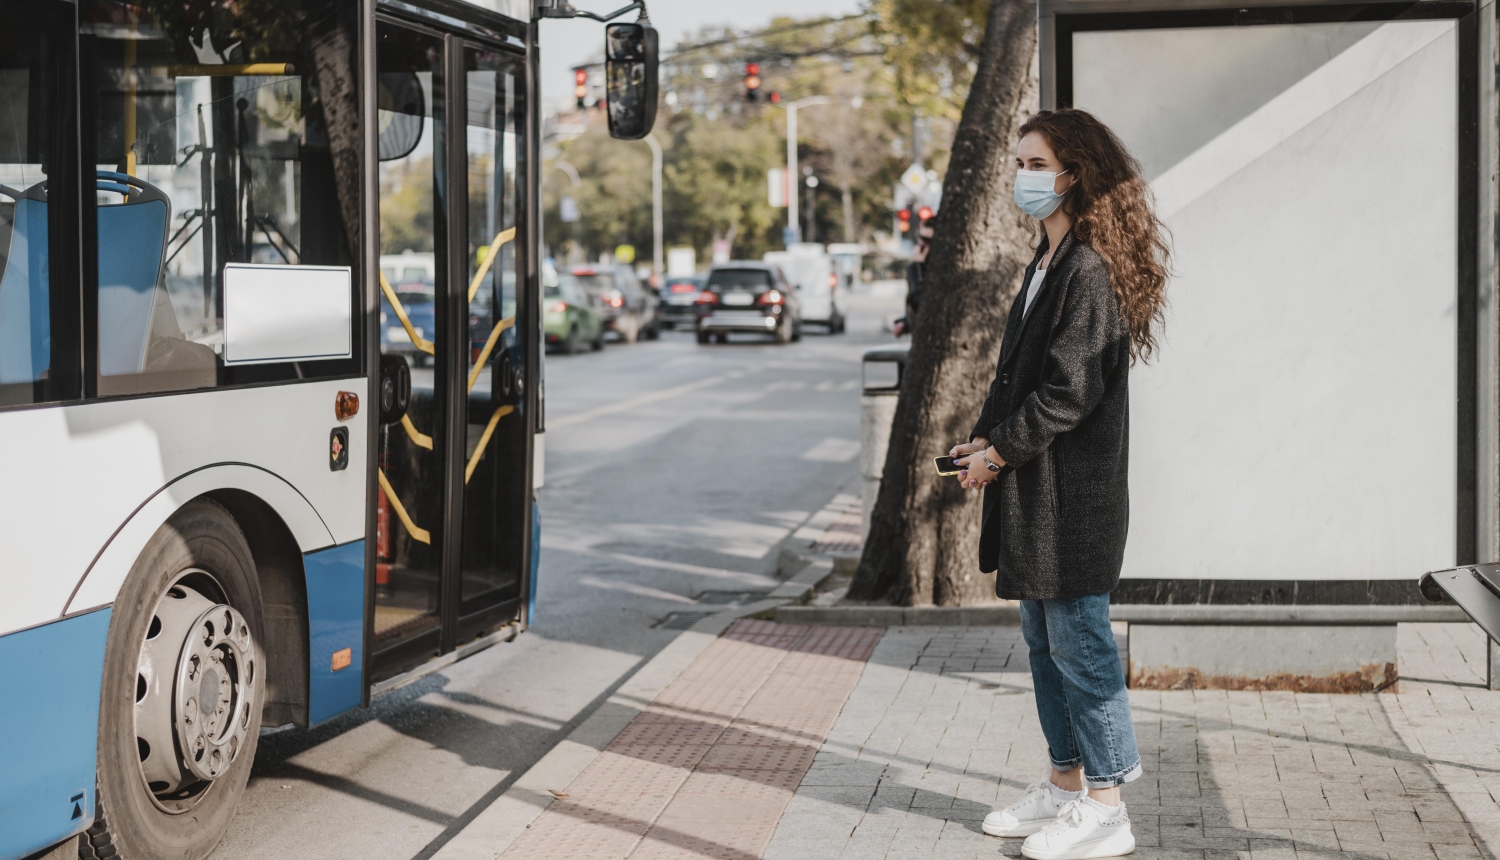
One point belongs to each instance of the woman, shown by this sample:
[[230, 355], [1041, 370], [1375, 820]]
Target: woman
[[1050, 450]]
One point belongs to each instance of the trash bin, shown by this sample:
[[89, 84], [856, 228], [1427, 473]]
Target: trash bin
[[882, 371]]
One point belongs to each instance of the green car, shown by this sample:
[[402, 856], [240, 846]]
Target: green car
[[571, 317]]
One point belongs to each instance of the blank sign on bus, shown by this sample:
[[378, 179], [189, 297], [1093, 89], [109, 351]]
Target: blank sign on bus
[[286, 313]]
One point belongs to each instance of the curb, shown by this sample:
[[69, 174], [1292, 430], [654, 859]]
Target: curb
[[503, 821], [945, 616]]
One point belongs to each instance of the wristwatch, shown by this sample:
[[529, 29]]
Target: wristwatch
[[994, 467]]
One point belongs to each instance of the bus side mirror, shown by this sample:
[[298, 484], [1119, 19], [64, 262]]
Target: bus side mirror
[[631, 80], [395, 388]]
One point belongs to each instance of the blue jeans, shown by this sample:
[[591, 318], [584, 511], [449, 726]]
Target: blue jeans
[[1080, 688]]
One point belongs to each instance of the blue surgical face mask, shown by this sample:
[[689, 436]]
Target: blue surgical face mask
[[1034, 192]]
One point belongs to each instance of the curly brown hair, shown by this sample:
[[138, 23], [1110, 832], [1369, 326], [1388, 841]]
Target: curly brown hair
[[1114, 211]]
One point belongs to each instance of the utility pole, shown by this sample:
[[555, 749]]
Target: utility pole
[[791, 157], [656, 252]]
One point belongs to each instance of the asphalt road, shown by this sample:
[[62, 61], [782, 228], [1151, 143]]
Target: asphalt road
[[673, 473]]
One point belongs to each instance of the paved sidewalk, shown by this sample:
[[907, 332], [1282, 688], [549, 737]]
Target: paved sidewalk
[[942, 726], [794, 742]]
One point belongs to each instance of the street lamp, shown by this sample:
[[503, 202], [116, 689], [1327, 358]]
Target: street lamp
[[791, 157], [656, 261]]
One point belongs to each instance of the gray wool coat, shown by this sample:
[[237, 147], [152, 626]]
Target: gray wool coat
[[1058, 414]]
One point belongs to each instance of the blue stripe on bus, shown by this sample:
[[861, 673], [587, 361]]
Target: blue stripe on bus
[[49, 730], [335, 614]]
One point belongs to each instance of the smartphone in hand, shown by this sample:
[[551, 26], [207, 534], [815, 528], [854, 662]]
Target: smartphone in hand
[[946, 466]]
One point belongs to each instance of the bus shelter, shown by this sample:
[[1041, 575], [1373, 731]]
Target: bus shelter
[[1319, 426]]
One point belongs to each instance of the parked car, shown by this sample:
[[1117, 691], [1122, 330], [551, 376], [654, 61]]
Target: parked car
[[570, 316], [815, 280], [413, 279], [747, 296], [678, 293], [629, 310]]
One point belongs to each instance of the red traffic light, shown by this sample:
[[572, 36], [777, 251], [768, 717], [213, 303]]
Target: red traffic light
[[775, 98], [904, 214], [581, 77], [924, 213], [752, 69]]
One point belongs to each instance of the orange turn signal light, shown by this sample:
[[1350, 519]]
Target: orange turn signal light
[[346, 405], [341, 659]]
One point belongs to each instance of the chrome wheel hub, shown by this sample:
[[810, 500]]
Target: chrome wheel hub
[[195, 687]]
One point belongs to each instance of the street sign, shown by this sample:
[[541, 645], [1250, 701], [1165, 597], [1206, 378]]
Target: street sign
[[776, 187], [914, 179], [790, 236]]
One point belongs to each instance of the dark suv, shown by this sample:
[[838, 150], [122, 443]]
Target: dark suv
[[748, 297], [629, 309]]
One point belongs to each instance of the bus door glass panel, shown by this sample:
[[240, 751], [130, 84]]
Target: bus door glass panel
[[495, 466], [1308, 173], [34, 38], [212, 139], [410, 509]]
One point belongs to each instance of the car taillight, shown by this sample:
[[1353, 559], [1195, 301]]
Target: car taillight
[[772, 297], [616, 302], [558, 307], [683, 288], [707, 298], [833, 282]]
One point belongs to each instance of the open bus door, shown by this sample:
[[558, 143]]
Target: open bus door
[[453, 502]]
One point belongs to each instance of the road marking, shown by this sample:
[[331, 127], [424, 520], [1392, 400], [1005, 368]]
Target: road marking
[[832, 450], [643, 400]]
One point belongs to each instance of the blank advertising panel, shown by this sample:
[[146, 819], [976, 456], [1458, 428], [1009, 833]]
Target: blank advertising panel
[[286, 313], [1299, 422]]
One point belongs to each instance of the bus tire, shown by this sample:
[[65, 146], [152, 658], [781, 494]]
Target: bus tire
[[198, 567]]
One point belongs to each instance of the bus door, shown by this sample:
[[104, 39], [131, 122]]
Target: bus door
[[453, 511]]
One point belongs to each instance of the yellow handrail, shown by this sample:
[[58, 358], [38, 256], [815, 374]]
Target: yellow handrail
[[418, 438], [192, 70], [484, 266], [420, 535], [484, 440], [489, 346], [411, 330]]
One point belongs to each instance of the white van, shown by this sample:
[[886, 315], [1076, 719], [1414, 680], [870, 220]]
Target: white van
[[821, 292]]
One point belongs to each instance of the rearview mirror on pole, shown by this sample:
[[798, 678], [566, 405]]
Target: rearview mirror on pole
[[631, 84]]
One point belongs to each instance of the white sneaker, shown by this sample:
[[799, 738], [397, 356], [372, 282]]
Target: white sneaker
[[1036, 808], [1084, 829]]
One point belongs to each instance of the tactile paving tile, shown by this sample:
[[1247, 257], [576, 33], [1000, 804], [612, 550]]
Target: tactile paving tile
[[742, 782], [752, 735], [708, 768], [682, 756], [726, 757], [669, 731], [721, 842]]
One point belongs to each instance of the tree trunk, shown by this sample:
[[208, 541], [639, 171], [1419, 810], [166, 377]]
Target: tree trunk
[[924, 531]]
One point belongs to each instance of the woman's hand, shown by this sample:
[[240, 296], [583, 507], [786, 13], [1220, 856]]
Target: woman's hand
[[965, 448], [976, 472]]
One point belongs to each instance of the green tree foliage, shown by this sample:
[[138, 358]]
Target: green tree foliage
[[932, 47]]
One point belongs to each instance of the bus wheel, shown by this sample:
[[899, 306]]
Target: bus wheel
[[184, 683]]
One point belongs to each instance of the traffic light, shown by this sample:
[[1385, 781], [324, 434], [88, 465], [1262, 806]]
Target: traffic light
[[775, 97], [903, 220], [924, 213], [580, 86], [752, 81]]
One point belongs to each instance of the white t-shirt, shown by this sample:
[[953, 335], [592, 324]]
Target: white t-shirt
[[1032, 289]]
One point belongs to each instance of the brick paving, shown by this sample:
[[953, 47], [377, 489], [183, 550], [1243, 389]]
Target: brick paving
[[942, 726], [708, 768]]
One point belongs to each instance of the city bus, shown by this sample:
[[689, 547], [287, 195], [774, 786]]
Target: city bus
[[247, 480]]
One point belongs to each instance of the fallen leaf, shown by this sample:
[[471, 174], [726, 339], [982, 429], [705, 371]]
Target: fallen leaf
[[558, 794]]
